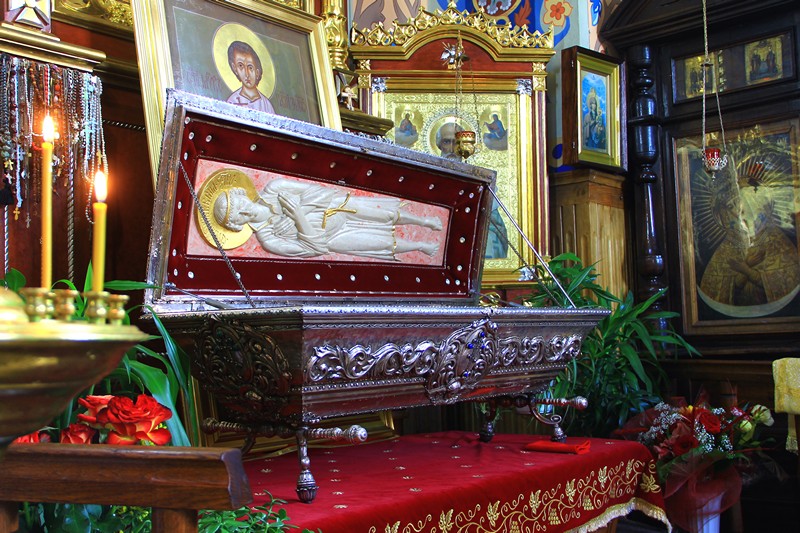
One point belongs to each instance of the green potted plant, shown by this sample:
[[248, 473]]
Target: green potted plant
[[619, 371]]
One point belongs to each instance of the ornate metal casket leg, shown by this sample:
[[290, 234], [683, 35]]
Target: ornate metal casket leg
[[487, 429], [553, 419], [306, 486]]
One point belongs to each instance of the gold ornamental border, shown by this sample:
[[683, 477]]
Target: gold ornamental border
[[552, 508], [402, 39]]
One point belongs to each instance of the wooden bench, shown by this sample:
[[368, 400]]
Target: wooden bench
[[175, 481]]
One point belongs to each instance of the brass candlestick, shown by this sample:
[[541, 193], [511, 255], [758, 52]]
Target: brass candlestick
[[45, 362]]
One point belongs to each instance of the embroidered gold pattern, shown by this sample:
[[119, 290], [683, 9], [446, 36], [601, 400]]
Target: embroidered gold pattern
[[446, 521], [570, 490], [550, 509], [650, 480], [602, 475], [491, 512]]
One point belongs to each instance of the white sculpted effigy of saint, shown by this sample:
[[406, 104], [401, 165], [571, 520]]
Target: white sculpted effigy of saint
[[303, 219]]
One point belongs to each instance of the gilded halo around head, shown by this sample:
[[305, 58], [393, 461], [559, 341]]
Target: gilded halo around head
[[219, 183], [223, 37]]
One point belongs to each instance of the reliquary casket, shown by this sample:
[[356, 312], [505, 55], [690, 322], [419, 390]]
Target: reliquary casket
[[315, 273]]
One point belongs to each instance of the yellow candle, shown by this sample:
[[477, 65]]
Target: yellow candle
[[48, 135], [99, 209]]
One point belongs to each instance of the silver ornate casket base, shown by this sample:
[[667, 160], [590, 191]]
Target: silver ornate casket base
[[280, 371]]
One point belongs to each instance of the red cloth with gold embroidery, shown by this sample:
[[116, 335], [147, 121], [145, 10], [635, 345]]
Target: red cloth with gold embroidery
[[453, 482]]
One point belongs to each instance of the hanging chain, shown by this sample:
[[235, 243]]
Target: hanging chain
[[706, 65], [478, 136], [459, 76], [719, 113], [224, 255]]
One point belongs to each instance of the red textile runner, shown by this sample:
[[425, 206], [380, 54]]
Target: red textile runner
[[453, 483]]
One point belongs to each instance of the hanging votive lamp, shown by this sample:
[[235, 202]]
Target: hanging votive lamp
[[465, 143], [713, 160]]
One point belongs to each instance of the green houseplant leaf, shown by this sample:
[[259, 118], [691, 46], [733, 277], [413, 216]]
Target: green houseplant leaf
[[619, 371]]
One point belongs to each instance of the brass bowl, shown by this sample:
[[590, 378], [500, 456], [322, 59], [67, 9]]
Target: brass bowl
[[45, 364]]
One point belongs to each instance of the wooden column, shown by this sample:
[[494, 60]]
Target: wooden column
[[643, 129]]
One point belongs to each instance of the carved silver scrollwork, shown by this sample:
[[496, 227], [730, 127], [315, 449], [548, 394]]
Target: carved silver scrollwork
[[564, 348], [522, 350], [390, 360], [335, 362], [244, 369], [465, 357], [453, 366]]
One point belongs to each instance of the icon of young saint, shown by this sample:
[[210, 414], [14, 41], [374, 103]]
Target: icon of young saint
[[246, 65]]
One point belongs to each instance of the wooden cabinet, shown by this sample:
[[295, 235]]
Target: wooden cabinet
[[587, 217]]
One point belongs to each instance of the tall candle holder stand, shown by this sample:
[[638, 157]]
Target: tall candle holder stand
[[46, 359]]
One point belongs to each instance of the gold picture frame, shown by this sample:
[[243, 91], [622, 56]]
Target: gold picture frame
[[741, 66], [503, 68], [184, 44], [739, 237], [593, 113], [503, 145]]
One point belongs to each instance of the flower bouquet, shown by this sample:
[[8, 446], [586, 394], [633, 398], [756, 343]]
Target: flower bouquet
[[698, 449]]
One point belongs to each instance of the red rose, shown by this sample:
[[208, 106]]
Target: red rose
[[77, 434], [683, 443], [709, 420], [122, 440], [33, 438], [94, 405], [131, 421], [663, 451]]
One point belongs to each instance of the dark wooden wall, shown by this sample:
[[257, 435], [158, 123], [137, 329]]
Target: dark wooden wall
[[649, 38], [736, 367]]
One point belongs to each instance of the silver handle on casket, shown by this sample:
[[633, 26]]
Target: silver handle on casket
[[354, 434]]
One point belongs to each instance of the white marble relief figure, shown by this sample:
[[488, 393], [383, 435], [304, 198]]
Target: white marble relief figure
[[300, 219]]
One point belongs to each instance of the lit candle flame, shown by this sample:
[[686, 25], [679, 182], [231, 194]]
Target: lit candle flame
[[100, 186], [48, 129]]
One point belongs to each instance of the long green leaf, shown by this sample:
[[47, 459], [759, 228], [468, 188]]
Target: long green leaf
[[159, 388], [169, 372], [636, 364], [14, 280], [123, 285]]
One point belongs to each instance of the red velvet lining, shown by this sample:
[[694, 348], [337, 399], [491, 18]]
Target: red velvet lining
[[428, 481]]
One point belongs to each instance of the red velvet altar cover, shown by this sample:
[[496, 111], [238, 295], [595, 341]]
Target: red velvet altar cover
[[453, 483]]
